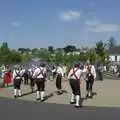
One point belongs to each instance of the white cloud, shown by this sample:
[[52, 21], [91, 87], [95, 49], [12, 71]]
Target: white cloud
[[15, 24], [95, 26], [70, 15], [92, 23]]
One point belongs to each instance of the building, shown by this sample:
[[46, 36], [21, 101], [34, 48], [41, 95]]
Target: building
[[114, 54]]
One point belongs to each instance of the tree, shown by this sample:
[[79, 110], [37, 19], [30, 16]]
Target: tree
[[4, 53], [51, 49], [15, 57], [91, 55], [69, 48], [25, 57], [112, 43], [4, 48], [35, 52], [100, 50], [23, 50]]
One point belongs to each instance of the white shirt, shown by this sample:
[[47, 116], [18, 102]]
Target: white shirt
[[60, 71], [17, 74], [23, 71], [93, 71], [37, 73], [31, 71], [54, 70], [77, 73]]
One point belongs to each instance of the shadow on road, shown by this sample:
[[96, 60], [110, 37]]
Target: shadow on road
[[28, 93], [94, 93], [48, 96]]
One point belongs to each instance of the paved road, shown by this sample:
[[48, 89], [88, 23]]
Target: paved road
[[107, 94], [11, 109]]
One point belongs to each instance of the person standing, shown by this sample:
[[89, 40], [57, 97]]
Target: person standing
[[39, 76], [17, 78], [64, 70], [32, 80], [2, 72], [60, 74], [90, 77], [7, 77], [54, 69], [74, 76], [89, 82], [25, 75]]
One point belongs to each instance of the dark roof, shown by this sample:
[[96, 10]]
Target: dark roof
[[114, 50]]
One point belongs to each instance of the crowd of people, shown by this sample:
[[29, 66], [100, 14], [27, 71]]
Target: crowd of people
[[39, 74]]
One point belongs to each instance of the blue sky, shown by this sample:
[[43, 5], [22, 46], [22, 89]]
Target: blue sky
[[41, 23]]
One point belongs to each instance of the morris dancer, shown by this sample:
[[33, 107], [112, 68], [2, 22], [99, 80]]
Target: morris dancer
[[60, 74], [39, 76], [90, 77], [17, 78], [74, 79], [32, 80]]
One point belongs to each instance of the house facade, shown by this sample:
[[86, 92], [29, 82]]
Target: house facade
[[114, 54], [114, 57]]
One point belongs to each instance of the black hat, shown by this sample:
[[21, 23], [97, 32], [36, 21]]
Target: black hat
[[42, 64], [77, 65]]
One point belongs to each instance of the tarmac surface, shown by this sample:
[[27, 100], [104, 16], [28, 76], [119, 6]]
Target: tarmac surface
[[104, 105], [23, 110]]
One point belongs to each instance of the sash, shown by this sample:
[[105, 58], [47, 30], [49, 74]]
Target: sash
[[40, 73], [73, 74]]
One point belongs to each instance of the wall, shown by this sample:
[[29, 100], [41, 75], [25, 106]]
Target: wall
[[112, 58]]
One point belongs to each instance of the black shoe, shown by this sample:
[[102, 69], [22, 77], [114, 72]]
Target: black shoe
[[91, 97], [15, 96], [37, 99], [59, 92], [72, 102], [77, 106], [42, 100], [87, 96]]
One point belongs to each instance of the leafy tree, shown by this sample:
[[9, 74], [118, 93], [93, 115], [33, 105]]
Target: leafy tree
[[112, 43], [23, 50], [4, 48], [91, 55], [69, 48], [15, 57], [25, 57], [4, 53], [51, 49], [35, 52], [100, 50]]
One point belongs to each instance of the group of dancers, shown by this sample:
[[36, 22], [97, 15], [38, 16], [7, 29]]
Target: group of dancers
[[37, 76]]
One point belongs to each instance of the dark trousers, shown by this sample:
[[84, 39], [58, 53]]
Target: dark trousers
[[32, 83], [17, 83], [58, 82], [75, 86], [40, 84], [26, 79], [89, 84], [54, 74]]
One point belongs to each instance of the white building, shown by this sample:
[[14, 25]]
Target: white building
[[114, 54]]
